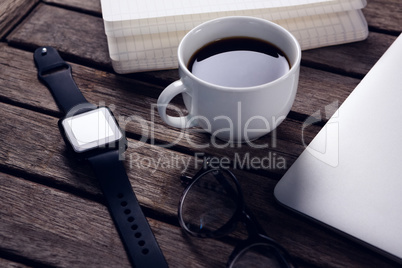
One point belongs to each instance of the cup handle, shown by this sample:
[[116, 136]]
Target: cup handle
[[165, 98]]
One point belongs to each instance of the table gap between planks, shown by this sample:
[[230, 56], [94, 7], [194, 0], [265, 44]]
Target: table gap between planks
[[53, 213]]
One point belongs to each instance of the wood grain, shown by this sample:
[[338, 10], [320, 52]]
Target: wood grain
[[338, 59], [11, 11], [81, 35], [384, 15], [52, 211], [64, 230], [40, 151], [12, 264], [91, 6], [141, 119]]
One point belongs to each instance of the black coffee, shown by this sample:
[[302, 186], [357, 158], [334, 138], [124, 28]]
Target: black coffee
[[239, 62]]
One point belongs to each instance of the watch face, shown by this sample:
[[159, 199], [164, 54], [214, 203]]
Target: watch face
[[91, 130]]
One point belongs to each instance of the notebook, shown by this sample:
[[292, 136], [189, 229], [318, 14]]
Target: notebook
[[350, 177], [144, 35]]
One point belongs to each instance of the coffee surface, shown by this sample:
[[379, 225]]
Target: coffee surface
[[239, 62]]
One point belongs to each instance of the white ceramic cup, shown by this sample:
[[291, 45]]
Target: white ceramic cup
[[237, 114]]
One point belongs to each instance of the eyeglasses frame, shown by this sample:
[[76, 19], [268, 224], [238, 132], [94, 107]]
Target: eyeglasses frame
[[256, 234]]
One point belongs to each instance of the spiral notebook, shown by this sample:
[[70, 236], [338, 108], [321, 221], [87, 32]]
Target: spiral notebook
[[144, 35]]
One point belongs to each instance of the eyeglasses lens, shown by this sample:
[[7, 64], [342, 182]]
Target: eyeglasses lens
[[210, 202], [258, 255]]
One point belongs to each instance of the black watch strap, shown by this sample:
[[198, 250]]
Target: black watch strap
[[135, 232], [55, 73]]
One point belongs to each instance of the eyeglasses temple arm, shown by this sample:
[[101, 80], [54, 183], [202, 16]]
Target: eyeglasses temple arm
[[252, 224], [186, 180]]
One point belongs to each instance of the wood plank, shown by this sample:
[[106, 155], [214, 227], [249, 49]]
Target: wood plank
[[30, 141], [12, 264], [91, 6], [81, 37], [11, 12], [140, 98], [51, 227], [157, 187], [20, 160], [384, 15], [354, 59]]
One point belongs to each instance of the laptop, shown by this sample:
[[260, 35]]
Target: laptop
[[350, 176]]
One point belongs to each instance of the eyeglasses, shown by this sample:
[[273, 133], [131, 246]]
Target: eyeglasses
[[213, 204]]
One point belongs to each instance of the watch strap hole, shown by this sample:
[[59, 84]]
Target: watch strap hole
[[140, 243], [127, 211], [138, 235]]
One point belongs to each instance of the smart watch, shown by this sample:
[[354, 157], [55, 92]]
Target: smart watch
[[93, 134]]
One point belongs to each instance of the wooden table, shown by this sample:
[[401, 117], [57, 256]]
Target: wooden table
[[52, 213]]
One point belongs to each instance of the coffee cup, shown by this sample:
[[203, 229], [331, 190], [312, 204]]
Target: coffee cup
[[235, 97]]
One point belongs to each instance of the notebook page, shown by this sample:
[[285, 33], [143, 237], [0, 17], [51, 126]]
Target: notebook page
[[274, 10], [119, 10]]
